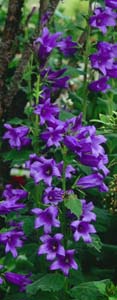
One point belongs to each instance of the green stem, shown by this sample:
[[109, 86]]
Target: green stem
[[36, 123], [86, 62], [110, 101], [64, 225]]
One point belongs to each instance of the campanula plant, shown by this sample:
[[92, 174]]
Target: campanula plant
[[66, 159]]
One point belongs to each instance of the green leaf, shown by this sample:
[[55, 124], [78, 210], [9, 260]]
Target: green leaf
[[74, 205], [28, 225], [65, 115], [50, 282], [95, 290], [14, 296], [16, 121], [17, 157], [96, 243], [103, 219]]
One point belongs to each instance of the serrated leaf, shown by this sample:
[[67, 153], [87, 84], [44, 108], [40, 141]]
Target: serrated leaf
[[74, 205], [50, 282]]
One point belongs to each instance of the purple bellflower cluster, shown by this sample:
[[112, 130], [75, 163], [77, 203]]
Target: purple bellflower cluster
[[87, 148], [105, 60], [54, 176]]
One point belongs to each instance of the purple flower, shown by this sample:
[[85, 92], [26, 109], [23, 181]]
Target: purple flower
[[65, 262], [46, 111], [69, 170], [101, 61], [44, 170], [46, 218], [100, 85], [87, 214], [18, 279], [53, 195], [17, 225], [45, 94], [45, 44], [74, 124], [103, 18], [67, 46], [114, 50], [1, 267], [87, 146], [7, 207], [53, 136], [107, 49], [51, 246], [55, 79], [82, 229], [111, 3], [17, 136], [1, 280], [12, 239], [71, 142], [91, 181], [32, 158], [112, 72], [45, 18], [14, 194], [96, 163]]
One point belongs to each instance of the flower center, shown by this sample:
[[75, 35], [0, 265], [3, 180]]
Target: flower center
[[99, 21], [54, 245], [82, 227], [48, 218], [67, 260], [48, 170]]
